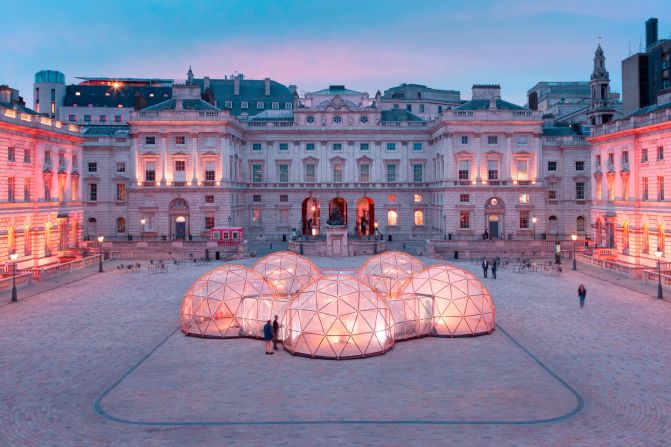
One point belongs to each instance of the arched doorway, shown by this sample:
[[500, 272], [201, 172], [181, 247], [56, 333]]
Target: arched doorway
[[91, 228], [494, 212], [337, 211], [179, 219], [365, 216], [311, 212]]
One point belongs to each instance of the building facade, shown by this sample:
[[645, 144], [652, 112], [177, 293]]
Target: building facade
[[631, 174], [41, 211], [186, 165]]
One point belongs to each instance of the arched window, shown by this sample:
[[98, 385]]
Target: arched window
[[121, 225], [580, 224], [392, 218], [419, 217]]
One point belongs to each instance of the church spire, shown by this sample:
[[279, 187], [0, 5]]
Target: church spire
[[189, 76], [600, 110]]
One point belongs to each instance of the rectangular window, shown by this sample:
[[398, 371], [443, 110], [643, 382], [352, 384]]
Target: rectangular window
[[72, 117], [102, 118], [396, 106], [256, 198], [284, 146], [284, 198], [337, 173], [61, 161], [228, 104], [120, 167], [53, 94], [27, 155], [417, 198], [421, 108], [391, 198], [464, 169], [492, 139], [310, 172], [283, 173], [524, 198], [260, 105], [47, 191], [492, 169], [180, 166], [464, 139], [392, 218], [257, 173], [209, 198], [660, 153], [644, 155], [597, 161], [310, 147], [337, 146], [464, 198], [87, 118], [464, 220], [524, 219], [418, 172], [288, 105], [150, 141], [660, 188], [209, 222], [408, 107], [645, 188], [117, 118], [579, 165], [256, 146], [120, 192], [625, 157], [275, 105], [552, 194], [93, 167], [150, 172], [244, 105], [522, 140], [11, 184], [391, 172], [580, 190], [210, 172], [11, 154], [363, 147], [552, 165], [47, 160], [416, 147], [75, 163], [93, 192], [180, 140], [419, 217], [26, 189], [391, 146], [364, 171]]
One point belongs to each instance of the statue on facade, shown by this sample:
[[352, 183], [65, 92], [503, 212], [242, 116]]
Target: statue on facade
[[336, 217]]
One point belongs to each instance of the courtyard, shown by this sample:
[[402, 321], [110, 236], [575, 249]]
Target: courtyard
[[99, 360]]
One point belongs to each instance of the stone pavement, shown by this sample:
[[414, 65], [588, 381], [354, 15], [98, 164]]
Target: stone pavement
[[98, 362]]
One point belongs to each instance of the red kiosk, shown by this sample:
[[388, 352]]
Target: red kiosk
[[227, 236]]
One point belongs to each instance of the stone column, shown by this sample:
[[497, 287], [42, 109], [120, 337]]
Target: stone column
[[538, 153], [194, 158], [478, 155], [164, 157], [507, 157], [133, 159], [224, 159]]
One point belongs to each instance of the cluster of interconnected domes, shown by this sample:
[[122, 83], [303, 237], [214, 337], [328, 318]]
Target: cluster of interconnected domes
[[391, 297]]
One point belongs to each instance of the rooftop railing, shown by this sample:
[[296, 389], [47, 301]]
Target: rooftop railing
[[36, 121], [633, 122]]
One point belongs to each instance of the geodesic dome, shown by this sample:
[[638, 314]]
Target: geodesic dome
[[211, 306], [338, 317], [461, 304], [254, 312], [413, 316], [286, 272], [387, 272]]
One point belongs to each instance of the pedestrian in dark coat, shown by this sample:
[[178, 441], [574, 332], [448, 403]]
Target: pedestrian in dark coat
[[494, 266], [268, 337], [582, 293], [485, 266], [276, 332]]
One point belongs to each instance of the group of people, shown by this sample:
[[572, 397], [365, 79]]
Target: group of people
[[490, 263], [271, 335]]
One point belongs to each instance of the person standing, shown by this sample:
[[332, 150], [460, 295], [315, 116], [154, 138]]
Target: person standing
[[494, 268], [276, 332], [582, 293], [268, 337], [485, 266]]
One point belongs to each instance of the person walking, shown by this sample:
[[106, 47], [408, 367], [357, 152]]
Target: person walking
[[276, 332], [268, 337], [485, 266], [494, 268], [582, 292]]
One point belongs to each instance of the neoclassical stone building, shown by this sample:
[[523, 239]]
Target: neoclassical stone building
[[186, 164], [40, 184]]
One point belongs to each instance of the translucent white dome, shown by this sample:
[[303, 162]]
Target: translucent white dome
[[387, 272], [286, 272], [338, 317]]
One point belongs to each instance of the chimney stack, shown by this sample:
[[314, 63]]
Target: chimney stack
[[5, 94], [236, 86], [650, 32], [206, 82], [267, 86]]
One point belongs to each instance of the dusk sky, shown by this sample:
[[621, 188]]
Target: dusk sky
[[366, 45]]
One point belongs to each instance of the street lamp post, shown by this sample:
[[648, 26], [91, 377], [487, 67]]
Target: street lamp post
[[659, 254], [229, 221], [142, 222], [100, 264], [14, 256], [574, 237], [533, 221], [444, 227]]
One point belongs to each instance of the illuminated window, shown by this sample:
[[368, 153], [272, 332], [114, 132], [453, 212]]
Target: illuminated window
[[78, 93], [419, 217], [392, 218], [209, 222], [523, 170], [121, 192], [464, 220], [418, 197], [256, 216], [524, 198], [524, 219], [121, 225], [391, 198]]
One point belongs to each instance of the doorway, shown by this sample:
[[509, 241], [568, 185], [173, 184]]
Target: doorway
[[365, 216], [493, 226], [180, 227], [311, 217]]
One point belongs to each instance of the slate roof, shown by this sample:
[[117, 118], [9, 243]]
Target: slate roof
[[273, 115], [560, 131], [398, 115], [649, 109], [483, 104], [251, 90], [336, 90], [413, 91], [95, 95], [18, 108], [187, 104], [106, 131]]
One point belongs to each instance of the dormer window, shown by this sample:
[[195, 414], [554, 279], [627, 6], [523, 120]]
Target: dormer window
[[244, 105], [276, 106], [228, 104], [260, 105]]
